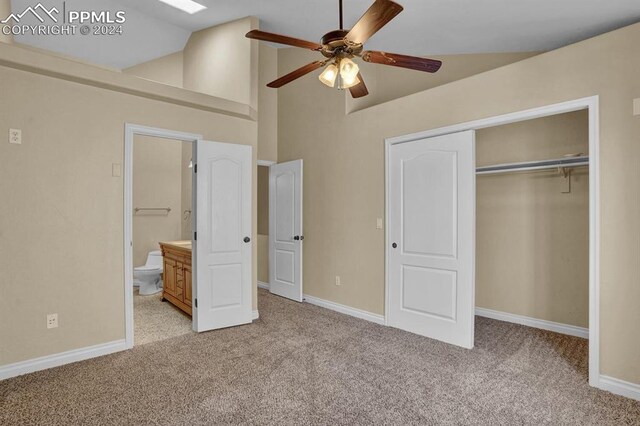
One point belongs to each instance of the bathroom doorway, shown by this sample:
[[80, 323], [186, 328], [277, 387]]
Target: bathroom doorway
[[222, 227], [158, 208], [162, 207]]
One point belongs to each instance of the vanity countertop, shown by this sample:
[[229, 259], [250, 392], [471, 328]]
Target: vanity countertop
[[178, 245]]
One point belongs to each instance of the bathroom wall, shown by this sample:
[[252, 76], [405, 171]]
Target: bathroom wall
[[186, 195], [263, 224], [157, 182], [532, 240]]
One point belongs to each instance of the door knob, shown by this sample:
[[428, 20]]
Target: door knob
[[298, 237], [247, 239], [394, 245]]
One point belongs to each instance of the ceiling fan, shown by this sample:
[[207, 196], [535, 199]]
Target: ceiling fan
[[341, 46]]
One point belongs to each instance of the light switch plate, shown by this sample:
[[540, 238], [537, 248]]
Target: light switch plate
[[379, 223], [636, 106], [15, 136]]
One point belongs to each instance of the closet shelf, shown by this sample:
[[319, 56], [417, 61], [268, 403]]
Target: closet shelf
[[559, 163]]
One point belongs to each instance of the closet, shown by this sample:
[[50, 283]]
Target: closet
[[532, 221]]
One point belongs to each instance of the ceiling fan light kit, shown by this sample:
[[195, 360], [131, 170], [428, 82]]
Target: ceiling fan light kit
[[344, 71], [341, 46]]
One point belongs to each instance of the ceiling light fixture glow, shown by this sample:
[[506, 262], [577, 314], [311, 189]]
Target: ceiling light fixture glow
[[348, 69], [188, 6], [346, 83], [329, 75]]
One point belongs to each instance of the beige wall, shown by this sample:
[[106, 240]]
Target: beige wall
[[220, 61], [532, 240], [388, 83], [174, 71], [157, 182], [347, 170], [267, 104], [263, 258], [5, 10], [186, 192], [263, 200], [61, 219], [167, 69]]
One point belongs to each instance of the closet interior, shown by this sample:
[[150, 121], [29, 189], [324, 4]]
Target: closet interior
[[532, 220]]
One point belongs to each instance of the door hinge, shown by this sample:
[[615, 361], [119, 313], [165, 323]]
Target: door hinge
[[195, 236], [196, 302], [195, 168]]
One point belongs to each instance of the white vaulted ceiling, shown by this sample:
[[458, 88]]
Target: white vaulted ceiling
[[426, 27]]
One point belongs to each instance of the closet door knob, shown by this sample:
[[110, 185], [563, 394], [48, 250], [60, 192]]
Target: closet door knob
[[247, 239], [296, 237], [394, 245]]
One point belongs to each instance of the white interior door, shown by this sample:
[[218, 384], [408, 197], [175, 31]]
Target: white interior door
[[285, 230], [431, 253], [222, 293]]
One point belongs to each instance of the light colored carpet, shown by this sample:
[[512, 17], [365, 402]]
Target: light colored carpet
[[300, 364], [155, 320]]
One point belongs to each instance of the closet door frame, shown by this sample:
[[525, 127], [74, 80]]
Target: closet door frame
[[591, 104]]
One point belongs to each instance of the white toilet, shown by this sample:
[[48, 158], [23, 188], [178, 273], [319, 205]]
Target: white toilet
[[147, 277]]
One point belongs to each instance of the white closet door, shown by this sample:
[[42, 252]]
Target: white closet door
[[432, 237], [222, 294], [285, 230]]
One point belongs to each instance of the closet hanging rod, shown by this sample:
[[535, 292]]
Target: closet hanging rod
[[534, 165], [139, 209]]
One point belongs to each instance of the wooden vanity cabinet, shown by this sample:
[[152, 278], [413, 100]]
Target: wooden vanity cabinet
[[176, 287]]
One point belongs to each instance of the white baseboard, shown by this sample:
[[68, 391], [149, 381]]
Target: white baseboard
[[343, 309], [263, 285], [571, 330], [620, 387], [255, 315], [56, 360]]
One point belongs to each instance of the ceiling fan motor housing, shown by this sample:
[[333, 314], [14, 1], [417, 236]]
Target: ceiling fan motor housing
[[335, 45]]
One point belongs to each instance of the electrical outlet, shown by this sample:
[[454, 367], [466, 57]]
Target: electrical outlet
[[338, 280], [15, 136], [52, 321]]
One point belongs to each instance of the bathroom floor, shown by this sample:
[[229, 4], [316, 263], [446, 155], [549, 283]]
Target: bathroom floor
[[155, 320]]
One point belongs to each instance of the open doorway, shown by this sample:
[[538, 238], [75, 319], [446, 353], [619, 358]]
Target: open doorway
[[532, 223], [219, 253], [438, 299], [263, 224], [162, 200]]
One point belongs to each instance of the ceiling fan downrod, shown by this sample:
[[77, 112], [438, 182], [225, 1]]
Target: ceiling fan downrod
[[341, 26]]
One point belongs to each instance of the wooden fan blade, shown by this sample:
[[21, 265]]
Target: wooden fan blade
[[404, 61], [359, 90], [277, 38], [378, 15], [295, 74]]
